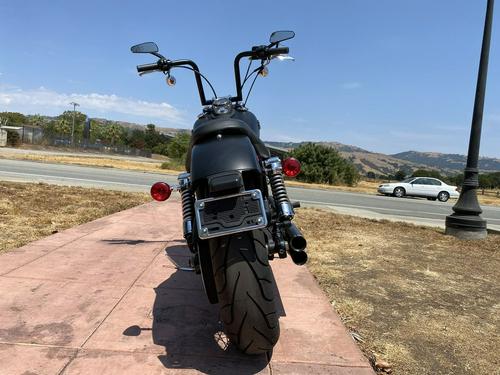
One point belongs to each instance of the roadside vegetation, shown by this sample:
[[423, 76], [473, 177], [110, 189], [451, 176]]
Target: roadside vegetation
[[324, 165], [416, 301], [29, 212], [105, 133]]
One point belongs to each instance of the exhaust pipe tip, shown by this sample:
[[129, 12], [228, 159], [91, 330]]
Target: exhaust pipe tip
[[298, 257], [297, 245]]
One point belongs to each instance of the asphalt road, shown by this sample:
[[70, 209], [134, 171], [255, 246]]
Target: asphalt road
[[372, 206]]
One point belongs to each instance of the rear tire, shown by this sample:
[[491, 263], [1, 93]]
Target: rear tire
[[245, 288], [443, 196]]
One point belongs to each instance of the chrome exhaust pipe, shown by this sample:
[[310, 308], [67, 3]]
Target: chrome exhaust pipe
[[296, 244]]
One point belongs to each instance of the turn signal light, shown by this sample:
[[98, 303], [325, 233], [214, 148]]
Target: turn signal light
[[160, 191], [291, 167]]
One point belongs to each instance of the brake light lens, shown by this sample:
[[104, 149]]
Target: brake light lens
[[160, 191], [291, 167]]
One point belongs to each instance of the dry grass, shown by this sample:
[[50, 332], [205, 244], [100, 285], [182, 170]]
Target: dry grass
[[95, 161], [425, 302], [32, 211], [368, 187]]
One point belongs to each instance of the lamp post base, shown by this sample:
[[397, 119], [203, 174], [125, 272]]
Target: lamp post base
[[466, 227]]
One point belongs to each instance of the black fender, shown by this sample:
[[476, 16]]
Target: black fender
[[214, 156], [224, 154]]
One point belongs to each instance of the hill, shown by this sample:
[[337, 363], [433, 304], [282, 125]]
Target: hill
[[447, 162], [382, 164]]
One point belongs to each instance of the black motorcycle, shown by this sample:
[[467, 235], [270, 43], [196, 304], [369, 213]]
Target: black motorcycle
[[232, 224]]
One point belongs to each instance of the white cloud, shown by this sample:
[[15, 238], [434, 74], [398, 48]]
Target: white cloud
[[50, 102], [351, 85]]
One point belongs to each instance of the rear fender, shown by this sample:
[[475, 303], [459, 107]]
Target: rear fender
[[227, 154]]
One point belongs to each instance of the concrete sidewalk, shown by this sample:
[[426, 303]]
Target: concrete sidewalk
[[106, 298]]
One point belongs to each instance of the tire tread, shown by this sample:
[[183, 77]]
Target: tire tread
[[245, 290]]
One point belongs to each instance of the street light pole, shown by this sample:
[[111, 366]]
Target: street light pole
[[74, 104], [466, 221]]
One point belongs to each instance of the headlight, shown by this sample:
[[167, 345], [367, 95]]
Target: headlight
[[222, 106]]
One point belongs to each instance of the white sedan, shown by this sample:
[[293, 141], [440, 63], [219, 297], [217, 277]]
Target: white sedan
[[428, 187]]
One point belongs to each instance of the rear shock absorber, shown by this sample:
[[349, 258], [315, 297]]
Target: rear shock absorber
[[274, 172], [187, 207]]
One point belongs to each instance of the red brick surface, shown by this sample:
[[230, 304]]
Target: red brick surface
[[106, 298]]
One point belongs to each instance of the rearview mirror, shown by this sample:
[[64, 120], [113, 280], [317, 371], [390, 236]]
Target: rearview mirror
[[148, 47], [280, 36]]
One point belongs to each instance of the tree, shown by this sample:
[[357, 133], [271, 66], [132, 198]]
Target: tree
[[153, 138], [178, 146], [400, 175], [136, 139], [67, 118], [36, 120], [322, 164], [62, 127], [112, 133], [14, 118]]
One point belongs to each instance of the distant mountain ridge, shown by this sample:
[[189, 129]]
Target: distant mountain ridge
[[382, 164], [447, 161]]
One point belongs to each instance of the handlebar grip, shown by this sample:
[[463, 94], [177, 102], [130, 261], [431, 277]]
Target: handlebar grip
[[278, 51], [147, 67]]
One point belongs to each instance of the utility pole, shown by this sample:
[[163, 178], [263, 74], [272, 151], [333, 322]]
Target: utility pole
[[74, 104], [466, 221]]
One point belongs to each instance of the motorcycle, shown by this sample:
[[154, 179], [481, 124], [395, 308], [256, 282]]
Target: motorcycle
[[232, 223]]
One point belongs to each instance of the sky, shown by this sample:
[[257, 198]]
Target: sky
[[386, 75]]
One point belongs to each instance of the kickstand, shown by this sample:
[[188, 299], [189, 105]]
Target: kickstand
[[180, 268]]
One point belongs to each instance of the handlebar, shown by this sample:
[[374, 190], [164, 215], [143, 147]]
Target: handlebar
[[165, 65], [147, 67], [257, 53], [279, 51]]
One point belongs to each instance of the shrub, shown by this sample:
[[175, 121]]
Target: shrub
[[177, 148], [175, 165], [322, 164]]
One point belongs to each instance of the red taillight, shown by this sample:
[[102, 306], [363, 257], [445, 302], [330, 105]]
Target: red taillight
[[291, 167], [160, 191]]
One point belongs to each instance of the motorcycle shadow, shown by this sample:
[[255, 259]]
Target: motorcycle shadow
[[189, 328]]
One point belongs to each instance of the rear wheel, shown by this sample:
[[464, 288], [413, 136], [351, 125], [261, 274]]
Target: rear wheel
[[443, 196], [245, 288]]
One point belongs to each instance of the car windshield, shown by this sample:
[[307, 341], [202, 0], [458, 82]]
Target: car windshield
[[408, 179]]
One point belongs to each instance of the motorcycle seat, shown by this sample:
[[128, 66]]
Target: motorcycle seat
[[229, 126]]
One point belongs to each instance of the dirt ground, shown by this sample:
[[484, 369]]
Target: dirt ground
[[421, 301], [32, 211]]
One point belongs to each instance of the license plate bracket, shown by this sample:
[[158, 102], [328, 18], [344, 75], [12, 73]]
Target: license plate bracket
[[230, 214]]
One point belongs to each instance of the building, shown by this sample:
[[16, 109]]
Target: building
[[3, 133]]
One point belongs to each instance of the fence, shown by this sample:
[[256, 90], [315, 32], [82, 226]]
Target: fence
[[489, 193], [36, 136]]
